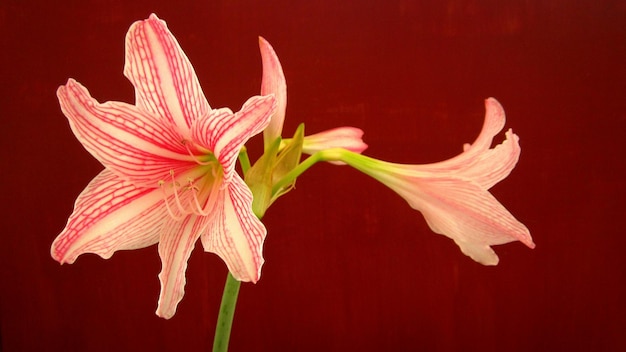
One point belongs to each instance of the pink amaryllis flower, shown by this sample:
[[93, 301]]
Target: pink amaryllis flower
[[169, 173], [453, 195]]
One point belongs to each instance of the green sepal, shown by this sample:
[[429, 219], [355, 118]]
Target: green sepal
[[259, 179], [288, 158]]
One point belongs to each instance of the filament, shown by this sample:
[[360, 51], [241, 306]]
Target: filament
[[193, 156], [167, 202], [174, 184], [199, 209]]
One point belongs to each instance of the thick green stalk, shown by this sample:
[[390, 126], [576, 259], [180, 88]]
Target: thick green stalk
[[297, 171], [226, 315], [334, 154], [244, 160]]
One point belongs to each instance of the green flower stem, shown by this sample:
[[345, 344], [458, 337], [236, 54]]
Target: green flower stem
[[244, 160], [231, 290], [227, 312], [334, 154], [365, 164], [297, 171]]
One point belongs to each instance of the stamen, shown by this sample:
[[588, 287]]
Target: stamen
[[167, 203], [193, 156], [214, 171], [176, 197], [216, 187], [198, 208]]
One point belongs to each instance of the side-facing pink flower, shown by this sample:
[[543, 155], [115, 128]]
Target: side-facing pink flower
[[169, 168], [453, 195]]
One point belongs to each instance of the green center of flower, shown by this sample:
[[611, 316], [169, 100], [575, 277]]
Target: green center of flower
[[194, 190]]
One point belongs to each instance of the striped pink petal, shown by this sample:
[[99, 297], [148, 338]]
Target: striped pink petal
[[478, 162], [128, 141], [493, 123], [164, 79], [175, 245], [109, 215], [464, 212], [225, 133], [493, 165], [235, 234], [273, 82]]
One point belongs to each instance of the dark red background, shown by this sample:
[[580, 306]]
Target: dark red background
[[349, 265]]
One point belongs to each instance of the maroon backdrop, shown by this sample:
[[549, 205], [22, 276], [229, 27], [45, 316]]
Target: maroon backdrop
[[349, 265]]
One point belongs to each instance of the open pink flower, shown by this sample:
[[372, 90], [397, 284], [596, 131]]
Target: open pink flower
[[453, 195], [169, 168]]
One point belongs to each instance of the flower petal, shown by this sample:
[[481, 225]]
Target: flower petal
[[109, 215], [493, 165], [128, 141], [235, 234], [461, 210], [479, 163], [164, 79], [225, 133], [177, 241], [494, 122], [273, 82]]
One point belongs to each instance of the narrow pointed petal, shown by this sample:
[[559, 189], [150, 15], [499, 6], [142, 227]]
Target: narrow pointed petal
[[472, 153], [273, 82], [225, 133], [126, 140], [164, 79], [493, 165], [109, 215], [235, 234], [463, 211], [177, 241], [494, 122], [350, 138]]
